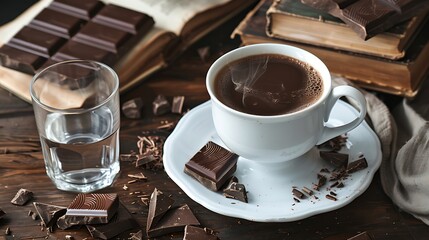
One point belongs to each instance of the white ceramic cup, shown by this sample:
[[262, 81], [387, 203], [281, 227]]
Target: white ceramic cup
[[284, 137]]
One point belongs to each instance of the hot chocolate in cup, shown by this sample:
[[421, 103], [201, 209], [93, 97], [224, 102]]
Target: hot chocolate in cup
[[271, 102]]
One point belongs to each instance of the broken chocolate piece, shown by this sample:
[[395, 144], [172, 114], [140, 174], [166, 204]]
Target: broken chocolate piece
[[362, 236], [337, 159], [90, 208], [120, 222], [177, 104], [198, 233], [132, 108], [173, 221], [48, 213], [158, 206], [322, 181], [2, 213], [22, 197], [357, 165], [212, 166], [20, 60], [236, 191], [160, 105]]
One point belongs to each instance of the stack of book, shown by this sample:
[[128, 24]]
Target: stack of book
[[395, 61]]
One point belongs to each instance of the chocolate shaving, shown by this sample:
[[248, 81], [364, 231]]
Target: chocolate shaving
[[298, 193], [330, 197], [307, 191]]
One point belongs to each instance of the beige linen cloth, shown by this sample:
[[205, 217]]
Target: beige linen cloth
[[404, 137]]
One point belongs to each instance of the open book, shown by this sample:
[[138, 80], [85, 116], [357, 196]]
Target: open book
[[177, 25]]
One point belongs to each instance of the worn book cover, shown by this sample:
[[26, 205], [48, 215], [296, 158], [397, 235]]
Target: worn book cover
[[177, 26], [400, 77], [294, 21]]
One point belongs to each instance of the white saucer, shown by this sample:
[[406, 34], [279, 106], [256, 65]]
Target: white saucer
[[269, 186]]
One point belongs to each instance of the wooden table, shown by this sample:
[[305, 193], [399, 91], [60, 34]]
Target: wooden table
[[22, 166]]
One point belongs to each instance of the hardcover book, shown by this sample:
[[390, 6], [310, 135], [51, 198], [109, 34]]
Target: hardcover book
[[399, 77]]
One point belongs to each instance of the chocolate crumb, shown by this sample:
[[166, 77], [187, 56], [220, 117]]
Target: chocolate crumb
[[125, 187], [340, 185], [296, 200], [333, 193], [69, 237], [7, 231], [34, 216], [334, 184]]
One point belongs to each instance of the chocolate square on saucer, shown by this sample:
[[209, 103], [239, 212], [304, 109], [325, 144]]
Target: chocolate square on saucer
[[212, 166]]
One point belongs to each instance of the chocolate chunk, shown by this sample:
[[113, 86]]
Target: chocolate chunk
[[236, 191], [158, 206], [81, 9], [2, 213], [212, 165], [335, 158], [132, 108], [56, 23], [173, 221], [22, 197], [160, 105], [357, 165], [198, 233], [177, 104], [90, 208], [123, 19], [120, 222], [20, 60], [321, 182], [362, 236], [334, 144], [36, 42], [48, 213]]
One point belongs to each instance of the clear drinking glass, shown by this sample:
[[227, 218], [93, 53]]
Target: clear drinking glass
[[76, 105]]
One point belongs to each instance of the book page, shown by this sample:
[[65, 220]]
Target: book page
[[171, 15]]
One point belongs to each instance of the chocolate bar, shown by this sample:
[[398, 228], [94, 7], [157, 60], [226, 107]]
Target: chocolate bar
[[49, 213], [69, 29], [370, 17], [158, 206], [212, 166], [173, 221], [197, 233], [121, 222], [335, 158], [22, 197], [90, 208]]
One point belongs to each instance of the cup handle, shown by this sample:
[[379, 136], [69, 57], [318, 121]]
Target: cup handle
[[340, 91]]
